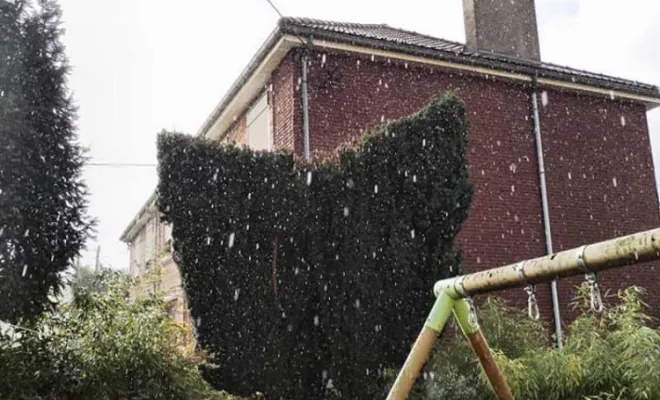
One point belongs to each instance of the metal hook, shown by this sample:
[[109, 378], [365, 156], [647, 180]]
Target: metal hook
[[472, 317], [596, 300], [532, 304]]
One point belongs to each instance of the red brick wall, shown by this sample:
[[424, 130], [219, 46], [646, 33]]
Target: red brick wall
[[348, 94], [285, 105], [505, 218], [237, 132], [600, 180], [284, 102]]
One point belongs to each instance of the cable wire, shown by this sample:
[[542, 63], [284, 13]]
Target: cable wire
[[275, 8], [113, 164], [302, 41]]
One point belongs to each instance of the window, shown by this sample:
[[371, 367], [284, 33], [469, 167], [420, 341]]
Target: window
[[138, 253], [167, 237], [259, 136], [150, 240]]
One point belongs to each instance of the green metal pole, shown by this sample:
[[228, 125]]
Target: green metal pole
[[420, 351], [467, 320]]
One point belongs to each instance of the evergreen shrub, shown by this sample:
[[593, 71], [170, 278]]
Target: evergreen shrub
[[307, 280]]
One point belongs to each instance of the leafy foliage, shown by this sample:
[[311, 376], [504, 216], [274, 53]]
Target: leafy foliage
[[88, 280], [43, 224], [610, 356], [102, 346], [308, 280]]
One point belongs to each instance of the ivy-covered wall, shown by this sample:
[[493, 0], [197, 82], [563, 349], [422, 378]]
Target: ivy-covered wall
[[308, 280]]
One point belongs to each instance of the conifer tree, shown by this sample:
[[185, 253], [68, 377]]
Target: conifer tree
[[43, 220]]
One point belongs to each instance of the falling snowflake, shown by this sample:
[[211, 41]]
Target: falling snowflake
[[544, 98], [232, 236]]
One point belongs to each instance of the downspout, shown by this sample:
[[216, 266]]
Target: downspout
[[546, 209], [305, 106]]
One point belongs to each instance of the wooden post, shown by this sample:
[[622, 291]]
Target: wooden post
[[467, 320], [422, 348], [490, 367]]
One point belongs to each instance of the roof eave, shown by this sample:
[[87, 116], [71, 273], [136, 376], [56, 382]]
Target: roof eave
[[518, 66], [146, 212], [266, 48], [247, 72]]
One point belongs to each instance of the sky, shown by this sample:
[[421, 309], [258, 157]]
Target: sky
[[140, 66]]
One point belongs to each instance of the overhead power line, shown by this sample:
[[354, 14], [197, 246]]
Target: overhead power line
[[118, 164], [303, 41], [275, 8]]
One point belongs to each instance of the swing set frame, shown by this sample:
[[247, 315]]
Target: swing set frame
[[454, 297]]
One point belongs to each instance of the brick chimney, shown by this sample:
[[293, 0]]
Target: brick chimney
[[502, 26]]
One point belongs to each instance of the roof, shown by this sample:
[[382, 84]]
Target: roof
[[385, 37]]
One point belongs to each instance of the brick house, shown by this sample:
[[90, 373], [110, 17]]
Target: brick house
[[317, 84]]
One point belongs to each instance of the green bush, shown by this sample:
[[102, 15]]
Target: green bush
[[309, 280], [614, 355], [102, 347]]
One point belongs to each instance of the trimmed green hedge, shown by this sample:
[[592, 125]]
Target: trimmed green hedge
[[308, 281]]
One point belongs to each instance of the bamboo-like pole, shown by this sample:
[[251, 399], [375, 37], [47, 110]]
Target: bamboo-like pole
[[422, 348], [489, 365], [466, 317], [451, 294], [626, 250]]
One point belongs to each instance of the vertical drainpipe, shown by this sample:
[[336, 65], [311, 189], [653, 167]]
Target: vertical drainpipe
[[546, 209], [305, 106]]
